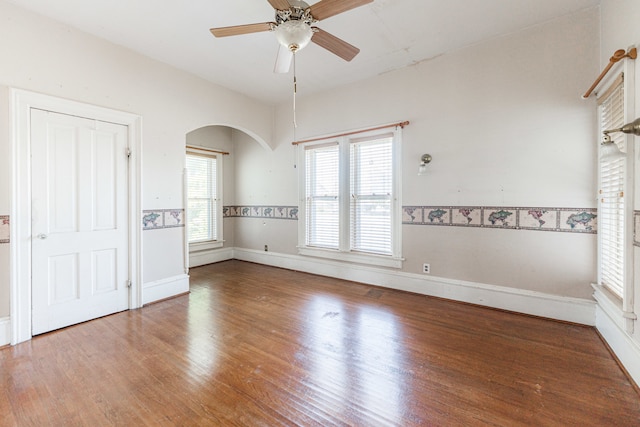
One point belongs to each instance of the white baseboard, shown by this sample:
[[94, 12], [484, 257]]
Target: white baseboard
[[5, 331], [165, 288], [209, 256], [574, 310], [626, 349]]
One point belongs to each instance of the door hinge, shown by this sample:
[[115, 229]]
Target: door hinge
[[128, 152], [128, 283]]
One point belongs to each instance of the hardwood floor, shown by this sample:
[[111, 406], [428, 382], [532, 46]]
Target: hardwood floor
[[258, 346]]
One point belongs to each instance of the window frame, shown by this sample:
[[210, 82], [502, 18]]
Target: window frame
[[607, 211], [218, 223], [344, 252], [620, 310]]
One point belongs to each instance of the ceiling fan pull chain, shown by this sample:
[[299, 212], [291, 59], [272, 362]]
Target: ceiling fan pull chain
[[295, 125], [295, 90]]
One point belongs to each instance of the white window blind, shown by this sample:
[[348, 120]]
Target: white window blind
[[371, 190], [202, 198], [611, 218], [322, 196]]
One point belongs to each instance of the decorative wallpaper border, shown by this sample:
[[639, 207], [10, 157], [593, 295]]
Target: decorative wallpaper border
[[155, 219], [574, 220], [636, 228], [277, 212], [4, 229]]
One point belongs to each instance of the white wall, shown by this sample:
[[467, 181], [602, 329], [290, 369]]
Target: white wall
[[506, 126], [44, 56]]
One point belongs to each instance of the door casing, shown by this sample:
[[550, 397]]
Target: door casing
[[20, 243]]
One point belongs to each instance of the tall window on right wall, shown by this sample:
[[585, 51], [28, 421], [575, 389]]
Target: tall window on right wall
[[612, 201], [616, 285]]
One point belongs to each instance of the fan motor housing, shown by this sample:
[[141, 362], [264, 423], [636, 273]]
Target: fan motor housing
[[299, 11]]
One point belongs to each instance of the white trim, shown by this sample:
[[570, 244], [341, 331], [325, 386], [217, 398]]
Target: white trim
[[5, 331], [165, 288], [625, 348], [556, 307], [211, 256], [204, 246], [359, 258], [20, 259], [612, 306]]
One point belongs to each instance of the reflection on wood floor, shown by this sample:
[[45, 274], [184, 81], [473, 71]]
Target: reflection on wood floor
[[258, 346]]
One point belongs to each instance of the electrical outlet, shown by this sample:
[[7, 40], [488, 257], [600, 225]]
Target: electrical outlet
[[426, 268], [266, 248]]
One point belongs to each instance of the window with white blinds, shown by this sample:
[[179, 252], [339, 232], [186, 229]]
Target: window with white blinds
[[323, 190], [371, 188], [613, 172], [202, 198], [350, 196]]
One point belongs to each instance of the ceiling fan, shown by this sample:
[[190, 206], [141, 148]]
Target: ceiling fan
[[293, 27]]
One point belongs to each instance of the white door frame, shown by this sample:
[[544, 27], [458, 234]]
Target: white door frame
[[20, 245]]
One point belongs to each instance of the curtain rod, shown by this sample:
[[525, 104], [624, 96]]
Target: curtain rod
[[393, 125], [195, 147], [617, 56]]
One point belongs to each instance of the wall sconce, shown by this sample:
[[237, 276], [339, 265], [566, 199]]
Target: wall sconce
[[610, 150], [633, 127], [424, 160]]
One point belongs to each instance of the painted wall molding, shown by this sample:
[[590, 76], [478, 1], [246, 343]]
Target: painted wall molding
[[4, 229], [253, 211], [5, 331], [155, 219], [636, 228], [556, 307], [574, 220], [209, 256], [626, 349], [165, 288]]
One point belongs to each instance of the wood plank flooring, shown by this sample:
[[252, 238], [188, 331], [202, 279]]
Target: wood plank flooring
[[258, 346]]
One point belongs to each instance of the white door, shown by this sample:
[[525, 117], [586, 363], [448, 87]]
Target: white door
[[79, 220]]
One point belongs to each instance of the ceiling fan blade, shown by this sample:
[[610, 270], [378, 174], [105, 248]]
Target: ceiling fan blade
[[241, 29], [283, 60], [327, 8], [279, 4], [334, 45]]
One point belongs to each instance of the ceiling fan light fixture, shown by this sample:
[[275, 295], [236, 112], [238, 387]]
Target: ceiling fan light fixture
[[294, 35]]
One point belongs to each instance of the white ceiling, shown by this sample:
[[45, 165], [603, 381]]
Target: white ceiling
[[391, 34]]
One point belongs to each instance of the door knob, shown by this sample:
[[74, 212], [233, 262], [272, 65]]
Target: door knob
[[42, 236]]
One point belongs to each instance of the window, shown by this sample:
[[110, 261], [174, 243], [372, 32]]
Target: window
[[351, 203], [322, 197], [204, 210], [612, 200], [371, 189]]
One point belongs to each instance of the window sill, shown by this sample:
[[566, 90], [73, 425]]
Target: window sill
[[358, 258], [612, 306], [205, 246]]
